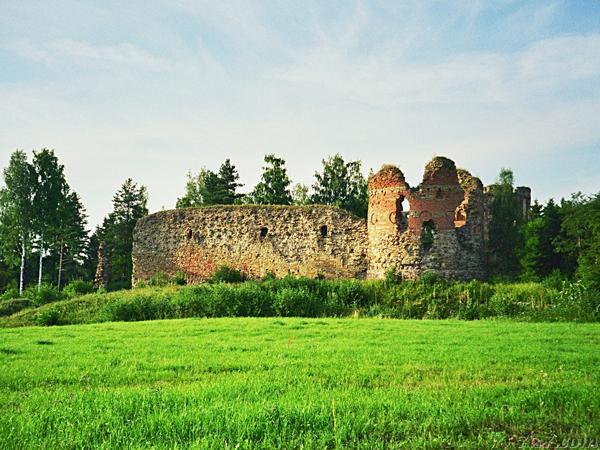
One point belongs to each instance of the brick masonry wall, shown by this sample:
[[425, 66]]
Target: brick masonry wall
[[301, 240]]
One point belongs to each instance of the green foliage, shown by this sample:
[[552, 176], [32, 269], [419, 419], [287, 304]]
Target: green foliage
[[77, 288], [194, 190], [580, 236], [210, 188], [14, 305], [227, 274], [504, 227], [341, 184], [10, 293], [160, 279], [16, 213], [274, 187], [300, 194], [538, 254], [129, 204], [42, 294], [180, 278], [48, 317], [430, 278], [393, 275], [432, 298]]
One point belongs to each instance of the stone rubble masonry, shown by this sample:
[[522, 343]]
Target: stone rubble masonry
[[301, 240], [444, 230], [103, 268]]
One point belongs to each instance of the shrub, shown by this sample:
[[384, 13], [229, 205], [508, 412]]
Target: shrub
[[393, 275], [42, 295], [77, 288], [227, 274], [10, 293], [430, 277], [576, 302], [118, 285], [9, 307], [180, 279], [48, 317], [290, 302], [159, 279]]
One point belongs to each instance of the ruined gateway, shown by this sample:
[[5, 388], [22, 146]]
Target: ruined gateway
[[444, 230]]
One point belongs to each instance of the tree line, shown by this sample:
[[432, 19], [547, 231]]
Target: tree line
[[44, 237], [340, 184]]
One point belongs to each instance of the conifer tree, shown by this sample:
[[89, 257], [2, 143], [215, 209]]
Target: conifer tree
[[274, 187]]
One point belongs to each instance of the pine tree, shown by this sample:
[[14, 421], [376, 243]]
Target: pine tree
[[72, 237], [274, 187], [228, 183], [130, 203]]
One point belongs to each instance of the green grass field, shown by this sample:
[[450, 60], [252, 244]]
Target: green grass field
[[315, 383]]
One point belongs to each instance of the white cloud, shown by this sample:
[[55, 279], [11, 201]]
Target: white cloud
[[249, 78]]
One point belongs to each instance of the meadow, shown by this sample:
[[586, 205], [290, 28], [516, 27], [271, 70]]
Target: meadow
[[294, 382]]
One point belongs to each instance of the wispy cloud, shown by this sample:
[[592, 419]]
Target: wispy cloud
[[153, 89]]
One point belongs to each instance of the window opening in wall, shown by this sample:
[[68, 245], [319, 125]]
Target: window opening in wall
[[401, 215], [263, 232], [427, 234], [460, 217], [190, 233], [323, 230]]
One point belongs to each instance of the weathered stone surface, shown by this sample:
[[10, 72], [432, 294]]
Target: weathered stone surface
[[445, 230], [103, 268], [301, 240], [447, 208]]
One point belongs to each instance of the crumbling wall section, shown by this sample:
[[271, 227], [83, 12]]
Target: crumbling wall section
[[300, 240], [444, 228]]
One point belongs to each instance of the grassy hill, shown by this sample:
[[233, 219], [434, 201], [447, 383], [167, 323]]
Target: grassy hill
[[303, 297], [222, 383]]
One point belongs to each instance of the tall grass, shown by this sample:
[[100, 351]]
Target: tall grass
[[304, 297]]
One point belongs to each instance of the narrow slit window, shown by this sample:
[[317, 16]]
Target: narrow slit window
[[323, 230]]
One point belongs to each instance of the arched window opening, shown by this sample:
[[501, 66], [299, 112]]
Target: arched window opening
[[323, 230], [460, 217], [427, 234], [190, 234]]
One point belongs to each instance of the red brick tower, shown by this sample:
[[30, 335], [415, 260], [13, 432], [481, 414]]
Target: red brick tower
[[386, 221]]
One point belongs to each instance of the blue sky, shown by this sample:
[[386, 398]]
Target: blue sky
[[152, 89]]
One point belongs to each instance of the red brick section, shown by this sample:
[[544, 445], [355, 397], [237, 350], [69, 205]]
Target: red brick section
[[436, 198], [387, 189]]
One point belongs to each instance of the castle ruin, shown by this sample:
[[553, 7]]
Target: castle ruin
[[444, 229]]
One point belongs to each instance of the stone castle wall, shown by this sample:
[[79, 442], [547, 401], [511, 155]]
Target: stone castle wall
[[301, 240], [444, 229]]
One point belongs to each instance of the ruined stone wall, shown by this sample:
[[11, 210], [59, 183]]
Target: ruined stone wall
[[445, 229], [301, 240], [442, 232]]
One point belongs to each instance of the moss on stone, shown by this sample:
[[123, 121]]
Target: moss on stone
[[436, 164]]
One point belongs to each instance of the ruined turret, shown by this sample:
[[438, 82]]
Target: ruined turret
[[386, 218], [103, 269], [434, 202]]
